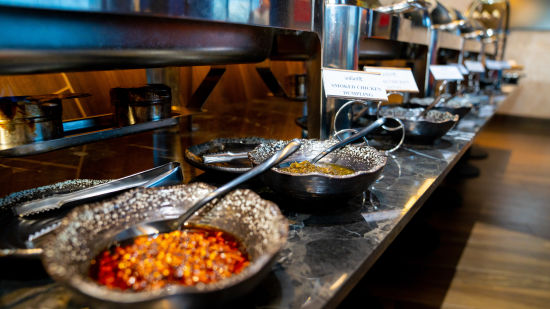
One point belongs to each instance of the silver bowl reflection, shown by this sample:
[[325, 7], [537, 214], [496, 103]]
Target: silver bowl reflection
[[426, 129], [257, 223], [366, 162]]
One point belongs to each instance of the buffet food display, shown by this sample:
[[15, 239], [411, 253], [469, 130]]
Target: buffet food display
[[225, 249]]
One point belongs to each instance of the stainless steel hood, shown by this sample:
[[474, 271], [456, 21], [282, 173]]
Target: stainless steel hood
[[98, 35]]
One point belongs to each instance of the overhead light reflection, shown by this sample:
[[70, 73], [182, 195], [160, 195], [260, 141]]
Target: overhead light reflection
[[421, 190], [338, 282]]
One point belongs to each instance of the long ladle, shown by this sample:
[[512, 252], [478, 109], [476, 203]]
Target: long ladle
[[379, 122], [177, 223]]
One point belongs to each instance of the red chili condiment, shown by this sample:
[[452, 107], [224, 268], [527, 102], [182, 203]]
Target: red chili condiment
[[180, 257]]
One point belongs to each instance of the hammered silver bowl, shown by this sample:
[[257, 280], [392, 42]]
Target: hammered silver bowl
[[366, 162], [257, 223], [422, 129]]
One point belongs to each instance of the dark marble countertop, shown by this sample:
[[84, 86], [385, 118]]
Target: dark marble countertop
[[328, 250]]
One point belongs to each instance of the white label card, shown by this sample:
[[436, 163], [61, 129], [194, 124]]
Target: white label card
[[461, 68], [395, 79], [349, 84], [446, 72], [497, 65], [474, 66]]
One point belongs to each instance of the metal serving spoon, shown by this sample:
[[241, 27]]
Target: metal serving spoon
[[177, 223], [436, 101]]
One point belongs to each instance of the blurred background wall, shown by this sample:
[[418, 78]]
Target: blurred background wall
[[529, 45]]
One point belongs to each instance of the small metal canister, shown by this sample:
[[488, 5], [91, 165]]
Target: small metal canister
[[296, 86], [300, 86], [151, 102], [28, 119]]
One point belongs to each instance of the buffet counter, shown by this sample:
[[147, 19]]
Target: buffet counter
[[328, 249]]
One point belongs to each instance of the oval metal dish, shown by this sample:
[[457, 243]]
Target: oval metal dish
[[194, 154], [426, 130], [257, 223], [366, 161]]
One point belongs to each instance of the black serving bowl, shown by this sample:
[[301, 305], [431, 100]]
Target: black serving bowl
[[366, 162], [426, 129]]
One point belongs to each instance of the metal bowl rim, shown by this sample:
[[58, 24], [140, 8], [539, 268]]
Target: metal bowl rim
[[374, 169], [455, 117]]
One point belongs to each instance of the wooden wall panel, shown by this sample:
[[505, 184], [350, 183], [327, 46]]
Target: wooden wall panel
[[99, 84], [239, 83]]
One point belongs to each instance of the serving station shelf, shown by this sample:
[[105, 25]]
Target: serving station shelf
[[84, 131]]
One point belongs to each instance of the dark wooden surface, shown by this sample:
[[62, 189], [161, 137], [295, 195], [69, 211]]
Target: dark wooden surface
[[478, 242]]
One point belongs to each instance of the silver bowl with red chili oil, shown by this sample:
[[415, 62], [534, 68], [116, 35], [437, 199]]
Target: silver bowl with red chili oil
[[84, 235]]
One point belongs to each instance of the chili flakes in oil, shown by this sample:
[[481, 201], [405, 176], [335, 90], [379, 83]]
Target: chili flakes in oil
[[186, 257]]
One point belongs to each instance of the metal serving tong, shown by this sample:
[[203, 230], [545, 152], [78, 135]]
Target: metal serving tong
[[148, 177], [223, 157]]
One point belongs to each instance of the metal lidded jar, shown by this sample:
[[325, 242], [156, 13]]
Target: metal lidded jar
[[151, 102], [28, 119]]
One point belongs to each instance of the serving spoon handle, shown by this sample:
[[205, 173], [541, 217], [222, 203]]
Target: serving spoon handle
[[436, 100], [379, 122]]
